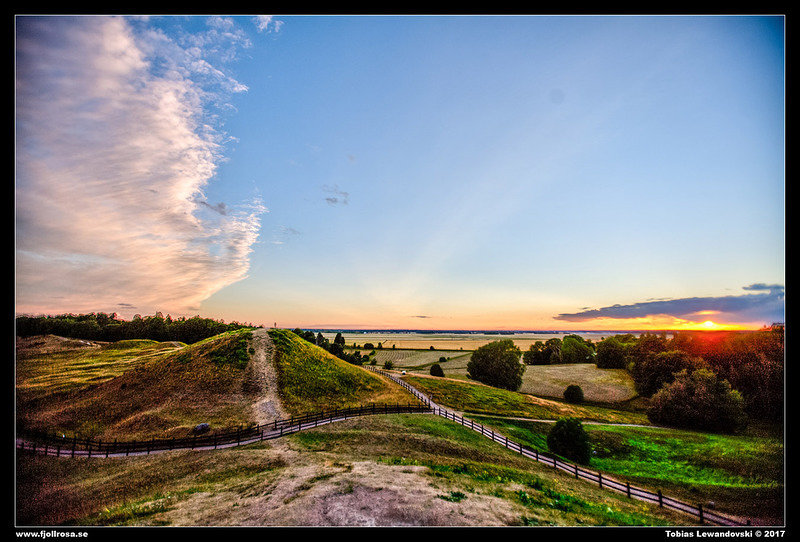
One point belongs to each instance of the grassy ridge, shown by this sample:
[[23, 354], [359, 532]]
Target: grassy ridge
[[480, 399], [311, 379], [164, 395]]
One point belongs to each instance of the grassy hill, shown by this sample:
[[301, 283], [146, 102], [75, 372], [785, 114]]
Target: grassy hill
[[311, 379], [165, 391], [474, 397]]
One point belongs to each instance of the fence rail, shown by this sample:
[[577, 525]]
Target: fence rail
[[62, 446], [603, 481]]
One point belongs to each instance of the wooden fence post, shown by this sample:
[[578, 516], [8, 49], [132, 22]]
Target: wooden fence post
[[700, 512], [628, 489], [660, 499], [576, 470], [600, 478]]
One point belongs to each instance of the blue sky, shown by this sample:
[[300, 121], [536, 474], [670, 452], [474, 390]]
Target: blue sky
[[483, 172]]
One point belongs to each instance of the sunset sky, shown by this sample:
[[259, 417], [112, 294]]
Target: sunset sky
[[422, 172]]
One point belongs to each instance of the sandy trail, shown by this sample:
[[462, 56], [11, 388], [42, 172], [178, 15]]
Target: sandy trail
[[265, 377]]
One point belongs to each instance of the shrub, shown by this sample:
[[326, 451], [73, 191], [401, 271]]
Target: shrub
[[369, 346], [436, 370], [610, 354], [568, 439], [698, 400], [497, 364], [373, 361], [442, 359], [573, 394], [388, 364]]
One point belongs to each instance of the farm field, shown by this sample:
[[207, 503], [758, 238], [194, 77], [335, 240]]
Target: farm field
[[599, 385], [416, 359], [742, 474]]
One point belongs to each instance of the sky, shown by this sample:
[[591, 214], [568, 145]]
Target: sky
[[403, 172]]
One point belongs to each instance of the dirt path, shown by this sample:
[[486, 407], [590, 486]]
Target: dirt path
[[265, 377]]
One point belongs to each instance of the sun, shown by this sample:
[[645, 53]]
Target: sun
[[709, 324]]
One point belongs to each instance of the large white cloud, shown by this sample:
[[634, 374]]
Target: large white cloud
[[114, 148]]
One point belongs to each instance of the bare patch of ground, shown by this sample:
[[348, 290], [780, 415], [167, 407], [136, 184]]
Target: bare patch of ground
[[262, 376]]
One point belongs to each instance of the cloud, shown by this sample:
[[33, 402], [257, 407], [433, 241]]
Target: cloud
[[766, 307], [267, 23], [337, 196], [115, 145], [421, 316]]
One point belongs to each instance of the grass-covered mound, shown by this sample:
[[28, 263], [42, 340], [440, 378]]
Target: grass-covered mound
[[166, 395], [473, 397], [311, 379], [48, 364]]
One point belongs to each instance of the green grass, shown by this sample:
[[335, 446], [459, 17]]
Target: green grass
[[311, 379], [476, 398], [741, 474]]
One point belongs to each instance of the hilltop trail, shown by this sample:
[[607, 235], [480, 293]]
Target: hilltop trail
[[265, 377]]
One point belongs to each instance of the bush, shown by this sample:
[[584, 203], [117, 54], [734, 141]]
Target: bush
[[699, 400], [497, 364], [442, 359], [573, 394], [388, 364], [568, 439], [610, 354], [436, 370]]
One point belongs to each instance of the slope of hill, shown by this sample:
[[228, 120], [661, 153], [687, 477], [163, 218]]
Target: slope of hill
[[311, 379], [165, 395]]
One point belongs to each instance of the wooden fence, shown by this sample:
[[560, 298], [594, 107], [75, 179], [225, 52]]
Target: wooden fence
[[63, 446], [698, 511]]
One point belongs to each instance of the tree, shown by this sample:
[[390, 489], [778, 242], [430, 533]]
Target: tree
[[321, 339], [340, 340], [699, 400], [575, 350], [534, 355], [436, 370], [610, 354], [651, 372], [568, 439], [497, 364]]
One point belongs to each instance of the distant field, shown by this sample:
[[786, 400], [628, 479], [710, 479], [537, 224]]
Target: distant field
[[416, 359], [450, 341]]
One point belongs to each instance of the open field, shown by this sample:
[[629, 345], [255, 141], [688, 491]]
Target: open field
[[741, 474], [383, 470], [417, 359], [599, 385], [476, 398]]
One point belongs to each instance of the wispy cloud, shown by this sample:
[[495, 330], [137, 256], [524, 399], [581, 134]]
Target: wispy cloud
[[267, 23], [766, 307], [337, 196], [115, 144]]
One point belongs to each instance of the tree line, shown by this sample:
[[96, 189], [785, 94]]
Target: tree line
[[335, 348], [99, 326]]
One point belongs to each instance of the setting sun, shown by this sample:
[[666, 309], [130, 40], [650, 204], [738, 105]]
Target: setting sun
[[709, 324]]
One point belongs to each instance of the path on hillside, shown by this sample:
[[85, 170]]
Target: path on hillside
[[265, 377]]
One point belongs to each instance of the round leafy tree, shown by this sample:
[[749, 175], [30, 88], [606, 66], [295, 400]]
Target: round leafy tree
[[568, 439], [436, 370], [573, 394], [610, 354], [698, 400], [652, 371], [497, 364]]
